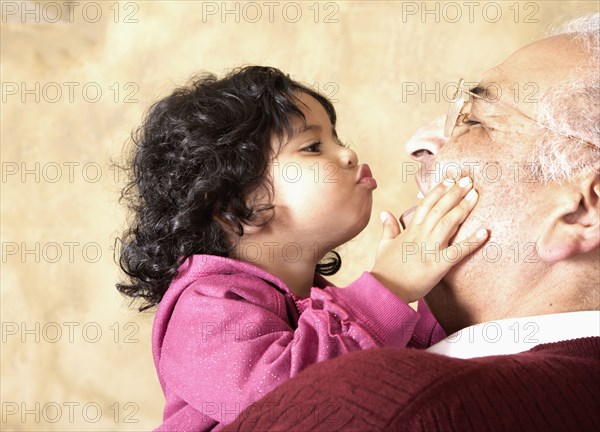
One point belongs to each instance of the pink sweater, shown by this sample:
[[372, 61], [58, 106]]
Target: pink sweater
[[227, 332]]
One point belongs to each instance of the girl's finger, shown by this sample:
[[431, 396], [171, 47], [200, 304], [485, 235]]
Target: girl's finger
[[456, 252], [391, 227], [448, 225], [452, 198], [430, 200]]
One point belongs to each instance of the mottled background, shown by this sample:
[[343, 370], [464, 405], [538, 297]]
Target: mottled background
[[77, 77]]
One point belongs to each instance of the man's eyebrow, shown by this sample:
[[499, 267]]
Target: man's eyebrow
[[482, 91], [483, 94]]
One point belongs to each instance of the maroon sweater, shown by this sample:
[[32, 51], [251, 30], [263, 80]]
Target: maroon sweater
[[551, 387]]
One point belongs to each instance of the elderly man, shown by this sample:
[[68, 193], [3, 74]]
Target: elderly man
[[523, 312]]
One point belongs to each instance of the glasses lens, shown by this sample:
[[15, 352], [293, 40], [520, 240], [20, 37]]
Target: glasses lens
[[452, 116]]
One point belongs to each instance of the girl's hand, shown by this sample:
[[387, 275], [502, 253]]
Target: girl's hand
[[411, 263]]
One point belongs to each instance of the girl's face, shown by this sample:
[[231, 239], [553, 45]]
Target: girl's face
[[322, 196]]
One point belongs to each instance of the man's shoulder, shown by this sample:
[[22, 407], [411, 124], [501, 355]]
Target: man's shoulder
[[426, 376], [420, 368], [585, 347], [553, 385]]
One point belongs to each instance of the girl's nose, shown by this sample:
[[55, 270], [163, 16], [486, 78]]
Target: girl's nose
[[348, 158]]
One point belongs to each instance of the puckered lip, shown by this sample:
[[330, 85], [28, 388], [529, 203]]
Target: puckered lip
[[365, 177], [364, 172]]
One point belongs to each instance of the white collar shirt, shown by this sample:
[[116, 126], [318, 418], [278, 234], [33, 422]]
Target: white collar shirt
[[515, 335]]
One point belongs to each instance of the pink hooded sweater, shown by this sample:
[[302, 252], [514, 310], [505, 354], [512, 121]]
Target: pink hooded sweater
[[226, 333]]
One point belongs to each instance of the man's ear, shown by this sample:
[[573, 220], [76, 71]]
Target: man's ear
[[575, 223]]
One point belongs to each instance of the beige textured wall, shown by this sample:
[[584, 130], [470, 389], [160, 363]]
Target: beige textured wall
[[73, 356]]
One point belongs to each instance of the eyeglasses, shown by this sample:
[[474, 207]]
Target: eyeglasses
[[456, 116]]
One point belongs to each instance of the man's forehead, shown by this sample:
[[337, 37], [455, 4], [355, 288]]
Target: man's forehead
[[544, 62], [524, 76]]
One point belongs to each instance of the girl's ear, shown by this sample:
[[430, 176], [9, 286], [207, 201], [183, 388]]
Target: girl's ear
[[258, 203], [575, 224], [231, 227], [251, 229]]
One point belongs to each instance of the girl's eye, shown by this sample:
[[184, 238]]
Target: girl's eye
[[313, 148]]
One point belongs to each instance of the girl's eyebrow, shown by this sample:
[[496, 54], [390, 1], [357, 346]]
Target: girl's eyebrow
[[318, 128], [306, 128]]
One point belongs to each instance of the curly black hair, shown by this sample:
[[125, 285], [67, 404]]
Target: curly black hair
[[197, 156]]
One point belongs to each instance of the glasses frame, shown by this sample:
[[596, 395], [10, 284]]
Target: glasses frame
[[455, 115]]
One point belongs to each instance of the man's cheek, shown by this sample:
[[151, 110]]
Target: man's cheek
[[477, 218]]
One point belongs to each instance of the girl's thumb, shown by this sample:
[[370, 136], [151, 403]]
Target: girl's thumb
[[391, 227]]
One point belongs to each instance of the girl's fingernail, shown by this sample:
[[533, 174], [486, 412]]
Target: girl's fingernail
[[420, 195], [482, 233], [464, 182], [472, 195], [383, 216]]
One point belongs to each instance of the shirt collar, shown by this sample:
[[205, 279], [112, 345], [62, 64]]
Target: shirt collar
[[515, 335]]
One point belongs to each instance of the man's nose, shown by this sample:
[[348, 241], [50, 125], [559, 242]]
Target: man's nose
[[427, 141]]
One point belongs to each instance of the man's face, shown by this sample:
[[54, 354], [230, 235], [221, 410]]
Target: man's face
[[493, 147]]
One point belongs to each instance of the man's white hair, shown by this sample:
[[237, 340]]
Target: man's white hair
[[573, 108]]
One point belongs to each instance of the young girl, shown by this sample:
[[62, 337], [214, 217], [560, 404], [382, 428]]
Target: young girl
[[240, 190]]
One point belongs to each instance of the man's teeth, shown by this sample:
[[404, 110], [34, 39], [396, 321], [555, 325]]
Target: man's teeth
[[420, 195]]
